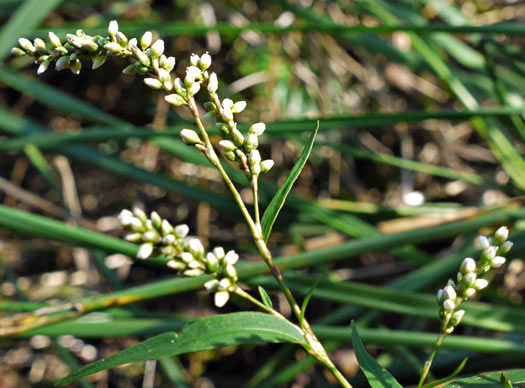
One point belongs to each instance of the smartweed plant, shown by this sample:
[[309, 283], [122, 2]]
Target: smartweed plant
[[187, 256]]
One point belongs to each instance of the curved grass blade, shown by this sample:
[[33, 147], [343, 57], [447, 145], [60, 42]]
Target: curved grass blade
[[273, 209], [307, 299], [377, 376], [449, 377], [265, 297], [206, 333], [492, 379]]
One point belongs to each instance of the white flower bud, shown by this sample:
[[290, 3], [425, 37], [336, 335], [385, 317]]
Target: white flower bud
[[153, 83], [227, 103], [480, 284], [164, 76], [142, 57], [194, 59], [254, 157], [205, 61], [501, 235], [239, 106], [196, 248], [457, 316], [449, 305], [133, 237], [139, 213], [189, 136], [175, 99], [26, 45], [168, 239], [150, 236], [219, 252], [55, 40], [489, 253], [113, 28], [136, 225], [221, 297], [17, 52], [182, 230], [484, 242], [176, 265], [166, 227], [121, 39], [39, 44], [187, 257], [146, 40], [469, 292], [468, 265], [194, 264], [231, 257], [211, 284], [497, 262], [193, 273], [226, 113], [193, 73], [145, 251], [213, 83], [194, 89], [227, 145], [258, 128], [113, 47], [75, 66], [43, 67], [212, 262], [238, 138], [469, 279], [169, 64], [252, 142], [505, 247], [125, 217], [266, 165], [224, 284], [449, 293], [231, 272]]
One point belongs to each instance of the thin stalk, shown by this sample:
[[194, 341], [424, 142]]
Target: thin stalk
[[243, 294], [428, 362], [255, 191]]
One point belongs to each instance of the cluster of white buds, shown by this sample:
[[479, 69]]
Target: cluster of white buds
[[185, 255], [468, 280]]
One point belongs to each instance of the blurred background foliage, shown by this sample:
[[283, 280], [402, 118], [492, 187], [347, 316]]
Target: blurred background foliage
[[421, 125]]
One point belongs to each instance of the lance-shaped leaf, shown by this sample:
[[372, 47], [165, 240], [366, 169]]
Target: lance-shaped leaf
[[206, 333], [273, 209], [492, 379]]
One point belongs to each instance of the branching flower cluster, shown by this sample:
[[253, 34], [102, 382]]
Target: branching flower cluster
[[468, 281], [186, 255]]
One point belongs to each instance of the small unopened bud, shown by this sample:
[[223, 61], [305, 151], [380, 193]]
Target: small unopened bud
[[449, 293], [113, 28], [181, 231], [62, 62], [142, 57], [169, 239], [26, 45], [224, 284], [17, 52], [193, 74], [468, 265], [210, 106], [238, 138], [175, 99], [164, 76], [153, 83], [212, 262], [75, 66], [43, 67], [449, 305], [227, 103], [484, 242], [456, 317], [501, 235], [252, 142], [130, 70], [168, 64], [145, 251], [211, 284], [146, 40], [166, 227], [139, 213], [193, 273], [266, 165], [176, 265], [213, 83], [189, 136], [133, 237], [505, 247], [221, 298], [194, 59], [239, 106], [488, 254], [226, 113], [231, 258], [469, 279], [113, 47], [231, 272], [497, 262], [196, 248], [187, 257], [227, 145], [194, 89], [205, 61], [469, 292], [55, 40], [257, 128], [150, 236], [125, 217], [98, 61], [39, 44], [480, 284], [121, 39], [219, 252]]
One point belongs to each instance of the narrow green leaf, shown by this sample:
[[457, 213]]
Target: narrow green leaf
[[449, 377], [377, 376], [265, 297], [492, 379], [307, 299], [206, 333], [273, 209], [28, 15]]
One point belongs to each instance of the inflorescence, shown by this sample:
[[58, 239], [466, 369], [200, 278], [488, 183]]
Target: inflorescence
[[468, 281], [186, 255]]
